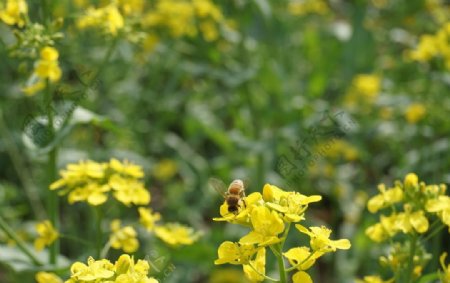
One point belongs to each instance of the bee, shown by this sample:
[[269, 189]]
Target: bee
[[233, 195]]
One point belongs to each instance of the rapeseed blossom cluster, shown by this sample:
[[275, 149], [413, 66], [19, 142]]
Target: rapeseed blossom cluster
[[124, 270], [93, 182], [432, 46], [269, 216], [186, 18], [411, 206]]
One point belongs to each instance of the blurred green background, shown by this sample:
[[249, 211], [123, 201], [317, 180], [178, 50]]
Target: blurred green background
[[321, 98]]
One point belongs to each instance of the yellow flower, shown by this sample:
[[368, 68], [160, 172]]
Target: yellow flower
[[411, 180], [93, 271], [47, 235], [126, 168], [125, 270], [445, 276], [320, 239], [301, 277], [259, 263], [123, 238], [387, 228], [408, 220], [440, 206], [415, 112], [176, 234], [93, 193], [385, 198], [129, 191], [235, 253], [243, 216], [301, 258], [368, 85], [147, 218], [374, 279], [291, 205], [107, 18], [267, 225], [47, 66], [165, 169], [14, 13], [47, 277]]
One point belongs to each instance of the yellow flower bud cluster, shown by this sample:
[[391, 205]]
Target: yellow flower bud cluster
[[269, 216], [124, 270]]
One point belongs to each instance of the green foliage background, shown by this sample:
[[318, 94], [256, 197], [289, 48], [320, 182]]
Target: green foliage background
[[231, 109]]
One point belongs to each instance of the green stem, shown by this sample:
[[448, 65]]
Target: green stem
[[98, 230], [52, 197], [412, 251], [280, 261], [20, 244]]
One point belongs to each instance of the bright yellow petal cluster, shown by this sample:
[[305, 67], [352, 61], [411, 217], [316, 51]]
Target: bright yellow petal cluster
[[186, 18], [92, 182], [47, 234], [14, 13], [269, 215], [176, 234], [47, 277], [235, 253], [416, 198], [107, 18], [124, 238], [320, 239], [385, 198], [147, 218], [47, 67], [434, 46], [125, 270]]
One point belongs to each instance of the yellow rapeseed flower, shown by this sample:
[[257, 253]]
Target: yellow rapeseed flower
[[255, 269], [147, 218], [385, 198], [440, 206], [124, 238], [107, 18], [129, 191], [301, 258], [176, 234], [320, 239], [14, 13], [47, 235], [125, 270], [267, 225], [374, 279], [415, 112], [47, 277], [126, 168], [235, 253]]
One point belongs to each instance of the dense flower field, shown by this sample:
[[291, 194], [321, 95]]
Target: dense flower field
[[224, 141]]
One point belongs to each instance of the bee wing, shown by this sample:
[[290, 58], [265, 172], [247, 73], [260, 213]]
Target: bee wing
[[218, 186]]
